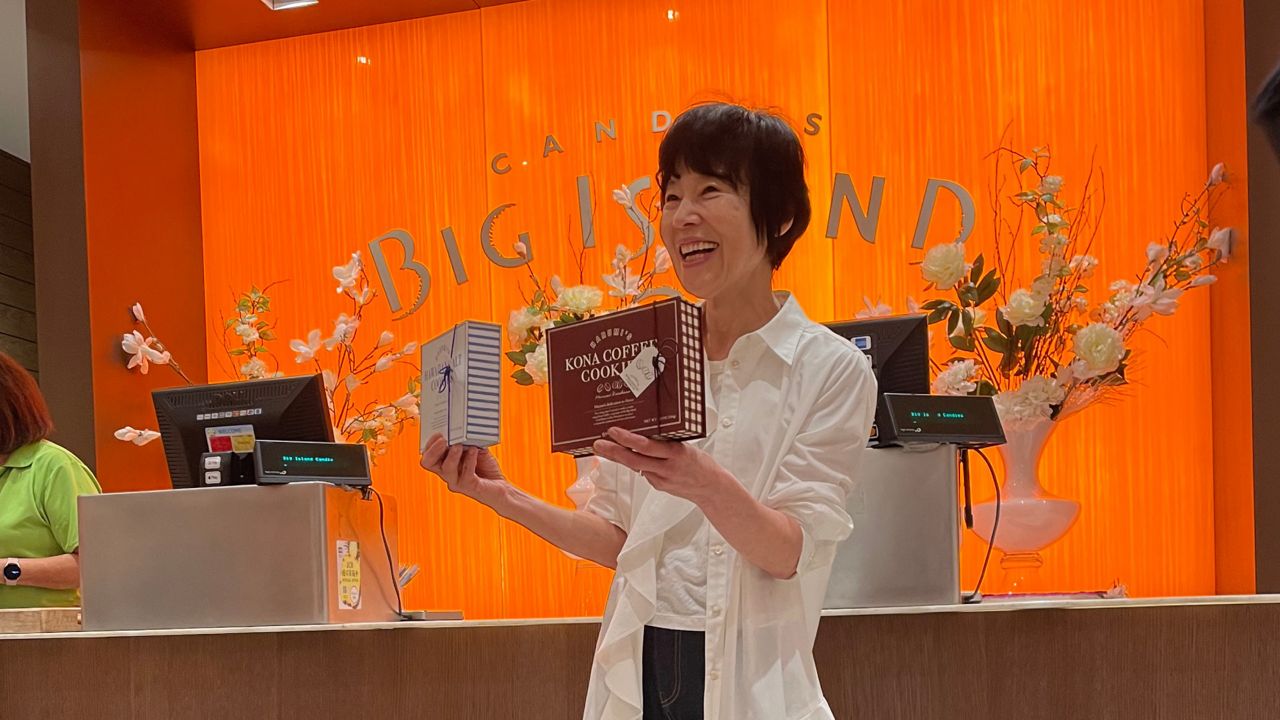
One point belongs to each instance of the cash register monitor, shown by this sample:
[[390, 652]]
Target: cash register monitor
[[229, 417], [899, 350]]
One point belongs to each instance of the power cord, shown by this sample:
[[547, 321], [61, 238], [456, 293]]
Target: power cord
[[386, 545], [995, 526]]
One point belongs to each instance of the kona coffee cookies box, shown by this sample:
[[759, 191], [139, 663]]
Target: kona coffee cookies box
[[638, 369]]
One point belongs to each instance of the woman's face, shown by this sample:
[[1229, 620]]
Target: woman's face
[[706, 227]]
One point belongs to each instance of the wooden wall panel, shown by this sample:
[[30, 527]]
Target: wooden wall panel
[[17, 265]]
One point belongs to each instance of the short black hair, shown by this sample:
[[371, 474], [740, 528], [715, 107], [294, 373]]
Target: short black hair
[[742, 146]]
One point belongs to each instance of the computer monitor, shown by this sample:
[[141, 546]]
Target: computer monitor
[[899, 350], [228, 417]]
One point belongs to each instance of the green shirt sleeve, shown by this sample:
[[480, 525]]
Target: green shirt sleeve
[[67, 479]]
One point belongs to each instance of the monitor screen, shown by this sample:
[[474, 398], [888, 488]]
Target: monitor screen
[[898, 346], [229, 417]]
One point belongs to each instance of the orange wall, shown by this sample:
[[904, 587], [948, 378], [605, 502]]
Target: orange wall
[[1225, 112], [307, 154], [142, 219]]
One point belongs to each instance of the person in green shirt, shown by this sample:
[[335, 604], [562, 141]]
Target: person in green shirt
[[39, 484]]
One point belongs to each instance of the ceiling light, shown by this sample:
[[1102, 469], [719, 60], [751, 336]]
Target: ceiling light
[[288, 4]]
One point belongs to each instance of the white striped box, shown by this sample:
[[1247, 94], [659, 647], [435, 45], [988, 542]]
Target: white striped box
[[462, 385]]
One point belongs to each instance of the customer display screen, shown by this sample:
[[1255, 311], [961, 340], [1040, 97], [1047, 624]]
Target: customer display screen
[[944, 418], [308, 460]]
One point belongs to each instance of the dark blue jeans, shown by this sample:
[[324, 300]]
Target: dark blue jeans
[[673, 668]]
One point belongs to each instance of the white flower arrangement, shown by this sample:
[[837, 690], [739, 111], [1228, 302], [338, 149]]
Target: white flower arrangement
[[630, 281], [344, 368], [1051, 352]]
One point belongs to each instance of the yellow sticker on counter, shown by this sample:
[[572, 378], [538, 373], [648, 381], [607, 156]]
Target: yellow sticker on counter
[[348, 575]]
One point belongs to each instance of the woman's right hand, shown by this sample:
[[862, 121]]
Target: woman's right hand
[[470, 471]]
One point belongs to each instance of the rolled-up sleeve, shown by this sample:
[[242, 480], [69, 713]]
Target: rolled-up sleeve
[[817, 473], [612, 498]]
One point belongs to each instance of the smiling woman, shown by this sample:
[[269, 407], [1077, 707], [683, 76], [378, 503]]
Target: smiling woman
[[723, 546]]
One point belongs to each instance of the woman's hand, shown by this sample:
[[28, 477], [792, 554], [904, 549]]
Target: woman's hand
[[469, 471], [673, 467]]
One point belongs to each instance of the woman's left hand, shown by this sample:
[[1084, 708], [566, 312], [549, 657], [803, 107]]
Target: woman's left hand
[[673, 467]]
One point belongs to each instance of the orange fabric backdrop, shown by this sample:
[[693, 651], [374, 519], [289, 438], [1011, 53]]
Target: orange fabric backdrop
[[307, 154]]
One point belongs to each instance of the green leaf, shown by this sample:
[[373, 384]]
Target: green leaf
[[268, 335], [953, 319], [229, 323], [242, 306], [986, 388], [1025, 165], [529, 347], [987, 287], [522, 377], [237, 351], [934, 304], [517, 357], [995, 341], [1003, 324], [937, 315], [976, 272], [1039, 230], [960, 342]]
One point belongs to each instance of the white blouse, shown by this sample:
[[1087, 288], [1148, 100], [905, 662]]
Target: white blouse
[[790, 421]]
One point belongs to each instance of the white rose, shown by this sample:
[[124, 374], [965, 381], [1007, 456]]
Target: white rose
[[580, 299], [536, 365], [1034, 399], [1024, 308], [956, 379], [944, 265], [1099, 348], [1051, 185], [521, 322]]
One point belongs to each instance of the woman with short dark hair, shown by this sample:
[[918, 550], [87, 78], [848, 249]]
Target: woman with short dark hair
[[39, 484], [723, 546]]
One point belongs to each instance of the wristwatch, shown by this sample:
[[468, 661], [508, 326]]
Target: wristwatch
[[12, 571]]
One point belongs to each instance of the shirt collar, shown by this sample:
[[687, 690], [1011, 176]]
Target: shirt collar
[[782, 333], [22, 457]]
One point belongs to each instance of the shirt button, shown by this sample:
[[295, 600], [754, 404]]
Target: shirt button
[[735, 364], [718, 549], [715, 674], [715, 611], [727, 422]]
